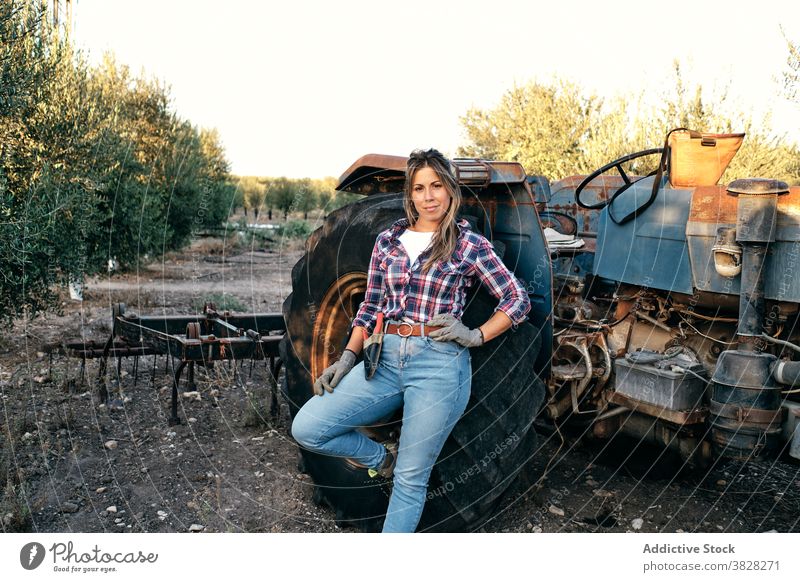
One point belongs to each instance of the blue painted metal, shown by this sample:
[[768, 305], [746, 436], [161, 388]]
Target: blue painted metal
[[782, 266], [651, 250]]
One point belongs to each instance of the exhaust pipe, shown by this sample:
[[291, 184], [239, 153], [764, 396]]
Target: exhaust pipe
[[745, 406]]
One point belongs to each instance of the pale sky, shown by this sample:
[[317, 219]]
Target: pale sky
[[305, 88]]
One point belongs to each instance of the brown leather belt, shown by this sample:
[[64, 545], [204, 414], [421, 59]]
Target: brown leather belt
[[406, 329]]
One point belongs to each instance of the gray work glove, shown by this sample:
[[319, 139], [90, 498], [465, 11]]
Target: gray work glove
[[332, 374], [454, 330]]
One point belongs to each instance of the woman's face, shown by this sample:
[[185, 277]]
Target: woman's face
[[429, 195]]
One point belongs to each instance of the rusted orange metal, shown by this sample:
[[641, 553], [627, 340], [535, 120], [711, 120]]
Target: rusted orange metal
[[712, 205], [374, 173], [598, 190]]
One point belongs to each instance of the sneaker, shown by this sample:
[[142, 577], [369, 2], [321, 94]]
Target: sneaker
[[387, 469]]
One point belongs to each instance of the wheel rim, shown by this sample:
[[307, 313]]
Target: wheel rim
[[332, 325], [332, 322]]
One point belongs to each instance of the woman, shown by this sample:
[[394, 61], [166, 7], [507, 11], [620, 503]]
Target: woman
[[418, 275]]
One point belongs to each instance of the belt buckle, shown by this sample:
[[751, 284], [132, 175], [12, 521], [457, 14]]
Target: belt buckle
[[410, 329]]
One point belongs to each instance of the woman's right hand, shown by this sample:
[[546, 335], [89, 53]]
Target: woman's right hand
[[332, 374]]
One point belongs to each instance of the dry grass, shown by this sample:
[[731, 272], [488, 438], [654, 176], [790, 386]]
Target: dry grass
[[215, 246]]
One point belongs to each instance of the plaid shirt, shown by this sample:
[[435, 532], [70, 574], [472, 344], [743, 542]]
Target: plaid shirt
[[402, 291]]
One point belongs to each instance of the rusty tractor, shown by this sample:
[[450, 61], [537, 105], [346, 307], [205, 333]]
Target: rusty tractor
[[677, 327]]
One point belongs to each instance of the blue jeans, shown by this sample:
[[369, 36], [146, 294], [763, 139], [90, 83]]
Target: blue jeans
[[430, 379]]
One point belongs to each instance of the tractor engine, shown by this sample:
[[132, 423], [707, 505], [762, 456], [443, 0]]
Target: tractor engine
[[680, 327]]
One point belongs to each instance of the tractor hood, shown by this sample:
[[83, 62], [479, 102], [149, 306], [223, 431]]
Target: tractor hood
[[376, 173]]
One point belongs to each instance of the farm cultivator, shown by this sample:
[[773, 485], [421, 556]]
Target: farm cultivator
[[191, 340]]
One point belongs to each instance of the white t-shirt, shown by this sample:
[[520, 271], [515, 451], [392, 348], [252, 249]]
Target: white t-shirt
[[415, 243]]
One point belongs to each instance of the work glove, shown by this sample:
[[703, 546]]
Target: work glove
[[332, 374], [453, 329]]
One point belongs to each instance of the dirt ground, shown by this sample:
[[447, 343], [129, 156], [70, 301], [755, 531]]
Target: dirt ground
[[71, 464]]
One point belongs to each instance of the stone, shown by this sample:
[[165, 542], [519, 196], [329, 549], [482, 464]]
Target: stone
[[111, 509], [195, 527], [556, 510], [111, 445], [637, 523], [603, 493], [69, 507]]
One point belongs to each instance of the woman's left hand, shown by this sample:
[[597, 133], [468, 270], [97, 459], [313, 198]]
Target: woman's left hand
[[453, 329]]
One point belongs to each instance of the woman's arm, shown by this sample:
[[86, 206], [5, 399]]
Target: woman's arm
[[504, 286], [356, 343], [495, 325]]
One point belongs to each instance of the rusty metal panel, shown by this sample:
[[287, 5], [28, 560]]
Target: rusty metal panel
[[376, 173], [562, 199], [713, 209], [712, 205]]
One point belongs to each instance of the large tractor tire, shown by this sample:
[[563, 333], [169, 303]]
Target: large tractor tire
[[491, 443]]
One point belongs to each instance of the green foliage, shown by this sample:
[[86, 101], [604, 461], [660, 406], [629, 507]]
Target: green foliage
[[324, 191], [556, 130], [282, 195], [791, 76], [542, 126], [343, 199], [294, 229], [305, 196], [289, 195], [93, 165], [253, 191]]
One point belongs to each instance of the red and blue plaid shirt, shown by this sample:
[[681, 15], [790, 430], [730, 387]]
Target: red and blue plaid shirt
[[401, 290]]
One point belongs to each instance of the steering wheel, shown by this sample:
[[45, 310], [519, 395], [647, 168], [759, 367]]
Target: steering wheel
[[618, 165]]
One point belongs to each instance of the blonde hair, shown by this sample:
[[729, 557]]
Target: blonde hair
[[446, 236]]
